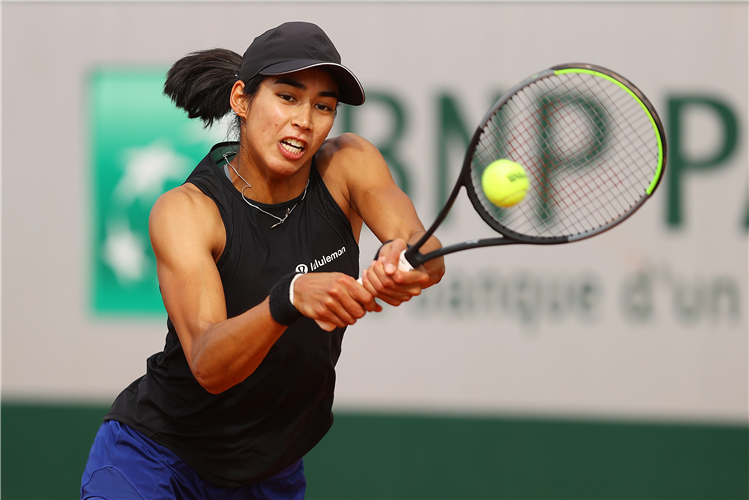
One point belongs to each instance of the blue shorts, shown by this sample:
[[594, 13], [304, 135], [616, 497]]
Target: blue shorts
[[126, 465]]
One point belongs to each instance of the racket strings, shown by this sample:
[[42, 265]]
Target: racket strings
[[633, 122], [525, 130], [589, 187], [576, 133], [580, 133], [588, 147]]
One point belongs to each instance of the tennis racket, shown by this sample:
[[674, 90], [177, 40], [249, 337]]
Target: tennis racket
[[593, 149]]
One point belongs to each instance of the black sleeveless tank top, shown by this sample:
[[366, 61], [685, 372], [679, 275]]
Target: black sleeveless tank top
[[274, 417]]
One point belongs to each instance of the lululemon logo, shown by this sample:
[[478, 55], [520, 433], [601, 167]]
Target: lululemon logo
[[301, 268]]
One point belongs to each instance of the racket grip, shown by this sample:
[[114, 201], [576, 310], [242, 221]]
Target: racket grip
[[403, 265]]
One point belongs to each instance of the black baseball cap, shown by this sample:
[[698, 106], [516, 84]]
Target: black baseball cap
[[295, 46]]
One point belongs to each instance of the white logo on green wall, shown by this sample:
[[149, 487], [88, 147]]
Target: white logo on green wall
[[141, 146]]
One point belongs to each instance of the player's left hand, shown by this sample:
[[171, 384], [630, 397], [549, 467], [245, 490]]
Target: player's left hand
[[385, 281]]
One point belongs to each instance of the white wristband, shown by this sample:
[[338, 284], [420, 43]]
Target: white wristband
[[291, 288]]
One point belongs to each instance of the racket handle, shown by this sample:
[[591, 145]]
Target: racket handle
[[403, 265]]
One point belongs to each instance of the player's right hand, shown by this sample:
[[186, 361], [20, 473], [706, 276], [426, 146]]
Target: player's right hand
[[333, 298]]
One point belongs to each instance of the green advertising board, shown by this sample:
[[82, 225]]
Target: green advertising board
[[141, 146]]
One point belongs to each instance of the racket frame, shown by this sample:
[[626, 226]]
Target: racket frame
[[509, 237]]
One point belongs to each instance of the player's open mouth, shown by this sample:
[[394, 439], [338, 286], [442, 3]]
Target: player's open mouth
[[293, 146]]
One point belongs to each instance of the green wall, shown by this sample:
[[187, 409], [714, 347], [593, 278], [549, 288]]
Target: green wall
[[44, 448]]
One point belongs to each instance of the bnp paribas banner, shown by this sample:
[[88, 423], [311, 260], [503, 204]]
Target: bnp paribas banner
[[136, 159], [648, 320]]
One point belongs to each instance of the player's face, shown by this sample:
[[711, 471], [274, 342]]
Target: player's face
[[288, 120]]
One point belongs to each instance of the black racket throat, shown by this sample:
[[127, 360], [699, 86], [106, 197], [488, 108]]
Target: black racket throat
[[416, 258]]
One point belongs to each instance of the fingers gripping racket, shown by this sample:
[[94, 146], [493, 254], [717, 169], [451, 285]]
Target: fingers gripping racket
[[593, 149]]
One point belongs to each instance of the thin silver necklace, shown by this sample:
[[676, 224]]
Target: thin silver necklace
[[280, 220]]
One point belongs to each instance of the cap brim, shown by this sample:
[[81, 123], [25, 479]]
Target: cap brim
[[349, 88]]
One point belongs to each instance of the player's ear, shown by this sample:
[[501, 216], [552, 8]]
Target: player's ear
[[238, 100]]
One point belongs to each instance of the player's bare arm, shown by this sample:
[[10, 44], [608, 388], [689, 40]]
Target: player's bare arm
[[188, 236], [360, 179]]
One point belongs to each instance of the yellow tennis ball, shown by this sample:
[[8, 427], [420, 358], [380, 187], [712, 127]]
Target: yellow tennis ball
[[504, 182]]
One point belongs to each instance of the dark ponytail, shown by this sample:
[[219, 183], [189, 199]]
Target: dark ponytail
[[201, 83]]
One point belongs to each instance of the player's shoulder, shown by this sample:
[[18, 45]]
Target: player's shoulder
[[185, 216], [346, 141], [184, 203], [346, 149], [184, 197], [347, 145]]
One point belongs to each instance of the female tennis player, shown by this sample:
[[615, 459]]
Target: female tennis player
[[258, 243]]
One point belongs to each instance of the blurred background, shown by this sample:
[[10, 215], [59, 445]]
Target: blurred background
[[610, 368]]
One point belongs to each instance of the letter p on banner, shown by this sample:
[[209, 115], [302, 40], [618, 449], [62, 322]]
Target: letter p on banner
[[679, 164]]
